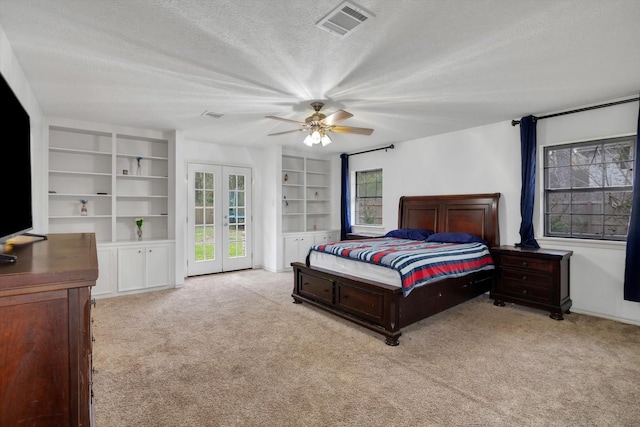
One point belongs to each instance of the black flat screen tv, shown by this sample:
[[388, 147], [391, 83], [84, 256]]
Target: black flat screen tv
[[15, 145]]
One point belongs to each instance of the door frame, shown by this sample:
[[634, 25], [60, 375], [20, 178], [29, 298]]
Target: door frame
[[189, 214]]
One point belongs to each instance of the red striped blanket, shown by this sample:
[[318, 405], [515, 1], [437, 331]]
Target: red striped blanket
[[417, 262]]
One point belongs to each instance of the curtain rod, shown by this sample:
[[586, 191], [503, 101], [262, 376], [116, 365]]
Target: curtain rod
[[579, 110], [388, 147]]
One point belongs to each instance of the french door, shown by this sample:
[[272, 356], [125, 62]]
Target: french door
[[219, 219]]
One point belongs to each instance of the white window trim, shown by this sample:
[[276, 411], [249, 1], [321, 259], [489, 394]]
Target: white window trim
[[539, 221]]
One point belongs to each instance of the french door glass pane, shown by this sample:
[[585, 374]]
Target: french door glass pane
[[237, 219], [204, 216]]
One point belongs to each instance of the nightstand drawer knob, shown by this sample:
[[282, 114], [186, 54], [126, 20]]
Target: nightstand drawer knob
[[524, 277], [524, 263], [524, 292]]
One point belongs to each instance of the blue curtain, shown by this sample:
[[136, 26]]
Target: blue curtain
[[528, 144], [345, 204], [632, 263]]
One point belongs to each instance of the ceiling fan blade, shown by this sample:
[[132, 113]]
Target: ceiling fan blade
[[336, 117], [286, 120], [348, 129], [287, 131]]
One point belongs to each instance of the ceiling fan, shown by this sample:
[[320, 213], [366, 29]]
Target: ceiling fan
[[318, 125]]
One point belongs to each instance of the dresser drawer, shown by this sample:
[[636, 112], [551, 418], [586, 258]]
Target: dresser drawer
[[316, 288], [528, 263], [525, 284], [363, 303]]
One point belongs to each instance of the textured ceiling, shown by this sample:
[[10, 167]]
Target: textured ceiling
[[418, 68]]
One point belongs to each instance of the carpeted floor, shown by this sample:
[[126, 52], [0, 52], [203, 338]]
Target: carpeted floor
[[232, 350]]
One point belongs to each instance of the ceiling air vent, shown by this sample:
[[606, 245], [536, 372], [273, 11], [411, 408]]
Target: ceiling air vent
[[344, 19]]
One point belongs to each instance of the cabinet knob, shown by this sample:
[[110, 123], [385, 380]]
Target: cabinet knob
[[524, 292], [524, 277], [524, 263]]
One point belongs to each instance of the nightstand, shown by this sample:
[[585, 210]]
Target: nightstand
[[537, 278]]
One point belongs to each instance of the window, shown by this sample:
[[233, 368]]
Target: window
[[588, 189], [369, 197]]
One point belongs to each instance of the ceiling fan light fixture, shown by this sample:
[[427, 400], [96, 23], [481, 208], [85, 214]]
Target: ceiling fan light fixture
[[308, 141], [325, 140], [319, 125], [315, 137]]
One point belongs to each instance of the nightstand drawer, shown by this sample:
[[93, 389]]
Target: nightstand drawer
[[526, 284], [527, 263]]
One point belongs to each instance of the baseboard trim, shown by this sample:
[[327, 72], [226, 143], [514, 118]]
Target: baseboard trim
[[605, 316]]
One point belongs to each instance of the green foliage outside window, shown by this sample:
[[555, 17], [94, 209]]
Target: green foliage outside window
[[368, 203]]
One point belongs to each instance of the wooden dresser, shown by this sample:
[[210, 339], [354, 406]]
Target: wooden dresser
[[537, 278], [45, 336]]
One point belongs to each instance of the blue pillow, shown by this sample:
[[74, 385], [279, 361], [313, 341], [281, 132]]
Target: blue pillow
[[409, 233], [455, 238]]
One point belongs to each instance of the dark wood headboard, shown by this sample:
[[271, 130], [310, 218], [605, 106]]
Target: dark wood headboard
[[467, 213]]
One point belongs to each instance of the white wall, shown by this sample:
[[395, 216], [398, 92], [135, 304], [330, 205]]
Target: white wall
[[479, 160], [272, 205], [486, 159]]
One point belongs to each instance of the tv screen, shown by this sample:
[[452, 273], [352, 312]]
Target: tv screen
[[15, 145]]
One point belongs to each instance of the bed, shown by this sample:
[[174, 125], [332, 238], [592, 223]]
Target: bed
[[380, 305]]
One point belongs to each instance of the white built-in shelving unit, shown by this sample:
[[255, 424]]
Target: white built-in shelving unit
[[306, 194], [102, 168], [306, 205], [121, 177]]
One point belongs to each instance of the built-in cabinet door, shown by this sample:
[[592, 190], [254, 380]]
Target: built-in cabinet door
[[296, 248], [106, 276], [144, 266], [158, 263], [328, 237], [131, 268]]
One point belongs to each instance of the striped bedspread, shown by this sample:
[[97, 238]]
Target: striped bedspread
[[417, 262]]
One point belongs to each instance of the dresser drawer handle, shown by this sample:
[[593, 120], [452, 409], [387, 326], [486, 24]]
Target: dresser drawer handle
[[524, 278], [524, 292], [524, 263]]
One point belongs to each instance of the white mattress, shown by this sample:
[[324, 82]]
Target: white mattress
[[360, 269]]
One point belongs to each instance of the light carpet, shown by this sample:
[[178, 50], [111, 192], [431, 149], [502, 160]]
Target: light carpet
[[232, 349]]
